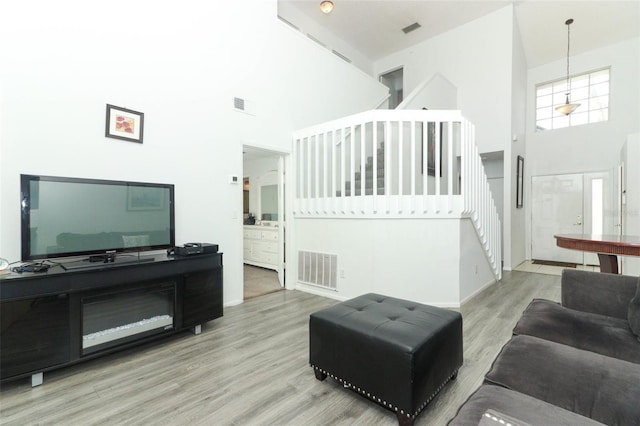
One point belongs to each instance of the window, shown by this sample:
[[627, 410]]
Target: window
[[590, 90]]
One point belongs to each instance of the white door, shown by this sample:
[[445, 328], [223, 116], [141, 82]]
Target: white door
[[556, 208]]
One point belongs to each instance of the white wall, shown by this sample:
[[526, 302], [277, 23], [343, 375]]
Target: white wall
[[308, 26], [181, 66], [437, 262], [475, 273], [475, 58], [631, 206], [590, 147], [515, 238]]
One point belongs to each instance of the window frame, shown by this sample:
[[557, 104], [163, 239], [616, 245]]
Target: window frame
[[594, 108]]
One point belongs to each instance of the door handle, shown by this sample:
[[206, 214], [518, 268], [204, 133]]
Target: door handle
[[579, 221]]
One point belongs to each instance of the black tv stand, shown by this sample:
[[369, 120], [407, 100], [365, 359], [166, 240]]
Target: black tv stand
[[61, 317], [101, 260]]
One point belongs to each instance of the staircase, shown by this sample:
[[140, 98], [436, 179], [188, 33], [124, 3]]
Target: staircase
[[368, 184], [402, 179]]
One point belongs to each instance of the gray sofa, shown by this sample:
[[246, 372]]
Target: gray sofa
[[573, 363]]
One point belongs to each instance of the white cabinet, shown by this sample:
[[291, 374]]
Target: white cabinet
[[261, 246]]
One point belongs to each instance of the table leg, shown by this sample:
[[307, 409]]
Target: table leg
[[608, 263]]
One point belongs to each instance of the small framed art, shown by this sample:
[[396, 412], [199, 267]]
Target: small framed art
[[124, 124], [520, 183]]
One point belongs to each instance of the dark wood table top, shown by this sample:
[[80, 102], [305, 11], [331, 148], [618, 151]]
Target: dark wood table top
[[628, 245]]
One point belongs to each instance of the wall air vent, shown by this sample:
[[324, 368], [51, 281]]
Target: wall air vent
[[316, 40], [288, 23], [244, 105], [318, 269], [411, 27], [341, 56], [238, 103]]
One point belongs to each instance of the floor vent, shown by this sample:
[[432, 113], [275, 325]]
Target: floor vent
[[319, 269]]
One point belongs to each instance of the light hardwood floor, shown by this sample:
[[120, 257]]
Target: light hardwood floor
[[259, 281], [251, 368]]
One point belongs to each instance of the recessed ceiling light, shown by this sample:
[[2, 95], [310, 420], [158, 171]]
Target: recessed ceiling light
[[326, 6]]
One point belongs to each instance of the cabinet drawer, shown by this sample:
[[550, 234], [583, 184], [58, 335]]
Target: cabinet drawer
[[271, 258], [252, 234], [270, 247], [270, 235]]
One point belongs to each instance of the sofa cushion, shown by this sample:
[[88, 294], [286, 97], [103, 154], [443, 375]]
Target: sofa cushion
[[521, 409], [583, 330], [634, 314], [593, 385]]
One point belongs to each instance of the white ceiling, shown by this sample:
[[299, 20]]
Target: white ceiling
[[374, 27]]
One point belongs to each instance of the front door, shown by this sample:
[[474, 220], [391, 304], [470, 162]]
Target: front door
[[556, 208], [571, 204]]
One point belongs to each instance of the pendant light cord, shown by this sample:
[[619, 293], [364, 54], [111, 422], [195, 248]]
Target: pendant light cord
[[569, 22]]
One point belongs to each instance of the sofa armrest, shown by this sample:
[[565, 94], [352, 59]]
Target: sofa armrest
[[598, 293]]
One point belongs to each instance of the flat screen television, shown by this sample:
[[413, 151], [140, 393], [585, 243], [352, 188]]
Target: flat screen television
[[66, 217]]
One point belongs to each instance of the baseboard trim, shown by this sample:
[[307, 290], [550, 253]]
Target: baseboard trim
[[477, 292]]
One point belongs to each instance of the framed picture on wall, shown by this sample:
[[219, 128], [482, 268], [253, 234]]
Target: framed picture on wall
[[124, 124], [520, 182]]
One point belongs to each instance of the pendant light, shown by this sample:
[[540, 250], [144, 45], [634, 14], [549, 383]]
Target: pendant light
[[567, 108], [326, 6]]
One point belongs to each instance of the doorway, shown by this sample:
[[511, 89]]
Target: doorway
[[579, 203], [394, 81], [263, 221]]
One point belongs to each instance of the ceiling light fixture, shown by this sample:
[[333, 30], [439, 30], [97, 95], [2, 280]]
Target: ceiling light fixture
[[567, 108], [326, 6]]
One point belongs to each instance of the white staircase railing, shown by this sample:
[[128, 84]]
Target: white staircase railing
[[396, 164]]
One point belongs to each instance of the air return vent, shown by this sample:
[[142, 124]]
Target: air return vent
[[238, 103], [242, 104], [411, 27], [319, 269], [341, 56]]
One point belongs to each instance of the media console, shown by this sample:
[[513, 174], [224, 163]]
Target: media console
[[62, 317]]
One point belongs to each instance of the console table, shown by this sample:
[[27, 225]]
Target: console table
[[58, 318], [607, 247]]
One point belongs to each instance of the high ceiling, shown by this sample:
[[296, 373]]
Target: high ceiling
[[374, 27]]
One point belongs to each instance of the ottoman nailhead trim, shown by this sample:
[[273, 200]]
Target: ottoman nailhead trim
[[374, 398]]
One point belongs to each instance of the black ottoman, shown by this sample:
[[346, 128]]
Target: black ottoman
[[395, 352]]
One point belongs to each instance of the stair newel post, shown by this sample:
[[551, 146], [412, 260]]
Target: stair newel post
[[374, 171], [387, 166], [425, 173], [352, 169], [400, 164], [325, 173], [334, 171], [316, 173], [413, 166], [343, 181], [363, 175], [450, 174]]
